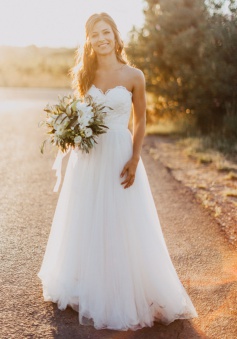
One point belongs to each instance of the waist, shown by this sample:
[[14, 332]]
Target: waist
[[116, 126]]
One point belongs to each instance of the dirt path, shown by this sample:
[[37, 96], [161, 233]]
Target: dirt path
[[205, 262], [210, 176]]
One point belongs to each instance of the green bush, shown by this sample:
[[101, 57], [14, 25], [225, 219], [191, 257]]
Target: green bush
[[188, 52]]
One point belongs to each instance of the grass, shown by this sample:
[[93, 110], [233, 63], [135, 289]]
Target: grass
[[205, 149], [202, 186], [231, 176], [163, 125], [200, 149], [195, 149], [204, 159], [231, 193], [224, 166], [164, 128]]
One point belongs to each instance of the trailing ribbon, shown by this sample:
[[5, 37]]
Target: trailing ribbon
[[57, 165]]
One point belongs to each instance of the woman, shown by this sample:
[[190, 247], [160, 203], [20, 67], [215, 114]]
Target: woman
[[106, 256]]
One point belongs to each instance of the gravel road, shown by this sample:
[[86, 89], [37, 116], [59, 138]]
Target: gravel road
[[205, 262]]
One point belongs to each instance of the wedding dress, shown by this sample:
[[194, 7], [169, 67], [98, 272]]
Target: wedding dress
[[106, 256]]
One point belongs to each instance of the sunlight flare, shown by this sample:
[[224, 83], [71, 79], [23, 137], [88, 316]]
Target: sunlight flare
[[61, 23]]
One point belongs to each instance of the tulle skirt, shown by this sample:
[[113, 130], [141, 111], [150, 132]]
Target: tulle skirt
[[106, 256]]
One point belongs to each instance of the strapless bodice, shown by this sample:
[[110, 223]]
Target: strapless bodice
[[119, 99]]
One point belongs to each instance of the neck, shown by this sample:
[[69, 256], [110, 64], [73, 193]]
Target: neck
[[107, 62]]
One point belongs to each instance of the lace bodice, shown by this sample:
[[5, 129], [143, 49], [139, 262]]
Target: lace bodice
[[119, 99]]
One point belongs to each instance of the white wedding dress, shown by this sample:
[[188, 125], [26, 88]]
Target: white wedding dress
[[106, 256]]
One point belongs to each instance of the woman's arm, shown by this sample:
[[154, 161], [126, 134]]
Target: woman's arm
[[139, 125]]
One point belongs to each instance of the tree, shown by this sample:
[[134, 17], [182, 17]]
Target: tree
[[187, 50]]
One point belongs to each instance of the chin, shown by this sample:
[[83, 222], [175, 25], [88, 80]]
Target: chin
[[108, 52]]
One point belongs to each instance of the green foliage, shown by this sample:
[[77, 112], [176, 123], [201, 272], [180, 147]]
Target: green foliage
[[188, 52]]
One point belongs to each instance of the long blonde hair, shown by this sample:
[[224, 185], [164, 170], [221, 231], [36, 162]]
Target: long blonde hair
[[84, 71]]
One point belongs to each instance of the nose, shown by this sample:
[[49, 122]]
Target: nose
[[101, 37]]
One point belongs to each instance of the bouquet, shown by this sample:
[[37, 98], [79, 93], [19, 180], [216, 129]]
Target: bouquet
[[74, 123]]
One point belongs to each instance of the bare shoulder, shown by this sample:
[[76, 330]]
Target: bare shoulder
[[135, 77], [135, 73]]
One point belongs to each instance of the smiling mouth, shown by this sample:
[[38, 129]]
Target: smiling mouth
[[105, 44]]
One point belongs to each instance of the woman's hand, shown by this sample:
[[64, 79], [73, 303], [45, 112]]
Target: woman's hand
[[130, 170]]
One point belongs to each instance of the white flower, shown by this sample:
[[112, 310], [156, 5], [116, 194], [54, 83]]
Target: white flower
[[77, 139], [83, 120], [81, 106], [51, 118], [59, 130], [88, 132]]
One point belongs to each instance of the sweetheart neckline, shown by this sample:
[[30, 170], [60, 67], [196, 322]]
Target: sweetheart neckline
[[110, 89]]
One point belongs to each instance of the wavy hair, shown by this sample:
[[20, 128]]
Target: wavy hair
[[83, 73]]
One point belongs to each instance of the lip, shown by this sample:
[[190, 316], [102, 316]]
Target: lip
[[104, 44]]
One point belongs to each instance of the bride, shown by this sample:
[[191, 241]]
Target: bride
[[106, 256]]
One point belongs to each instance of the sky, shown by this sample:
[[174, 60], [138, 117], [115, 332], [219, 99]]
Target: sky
[[60, 23]]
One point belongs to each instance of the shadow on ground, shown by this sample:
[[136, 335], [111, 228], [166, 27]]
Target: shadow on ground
[[65, 325]]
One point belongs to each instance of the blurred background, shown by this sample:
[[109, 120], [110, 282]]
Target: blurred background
[[188, 51], [186, 48], [39, 38]]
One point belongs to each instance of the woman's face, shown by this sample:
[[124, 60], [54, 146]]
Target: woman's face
[[102, 38]]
